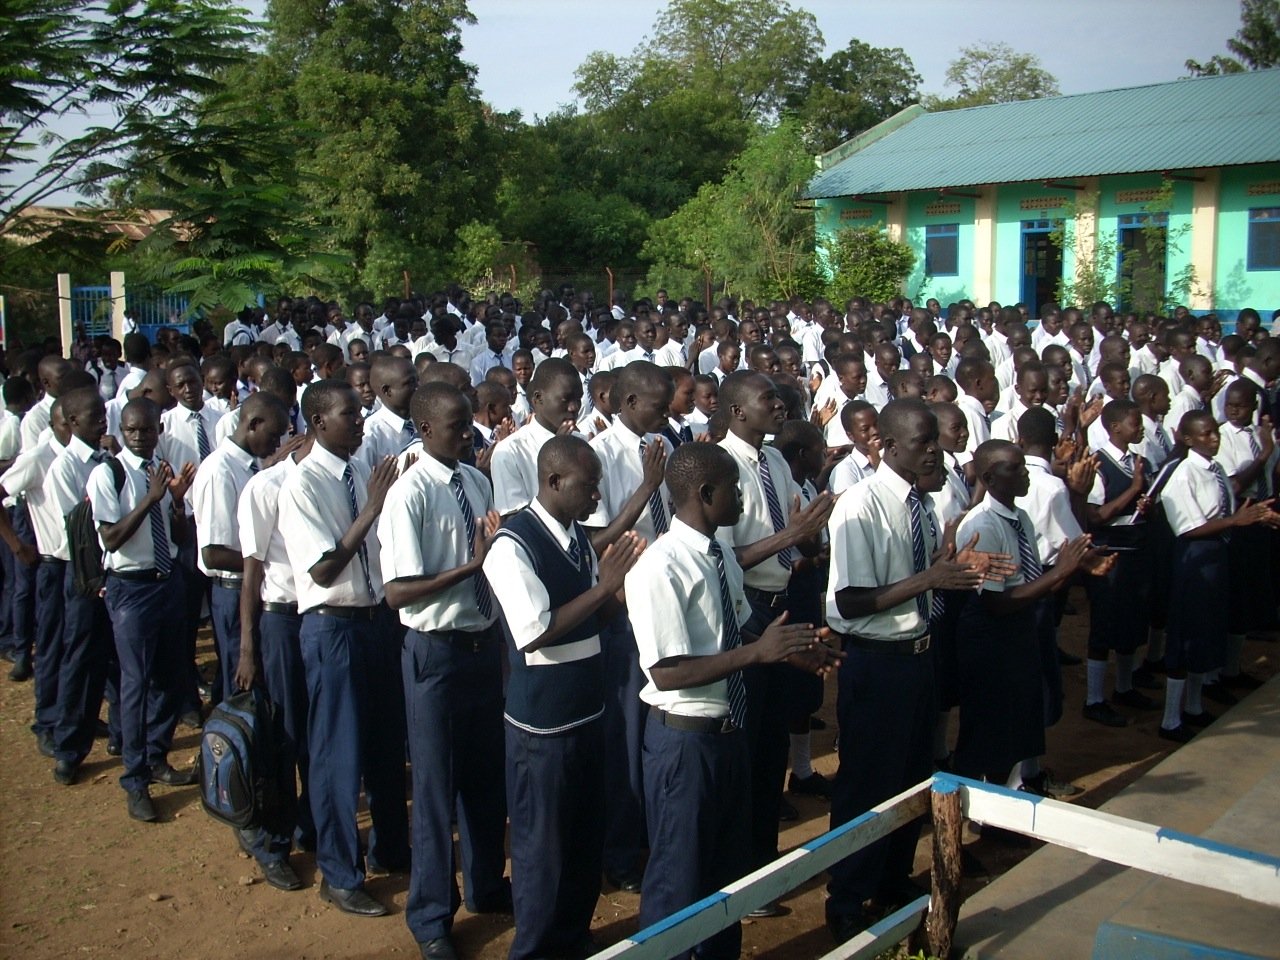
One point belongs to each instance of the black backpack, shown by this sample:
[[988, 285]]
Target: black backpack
[[83, 543], [246, 764]]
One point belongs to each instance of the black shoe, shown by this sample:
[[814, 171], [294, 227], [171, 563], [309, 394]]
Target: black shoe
[[192, 719], [787, 813], [280, 875], [1197, 719], [441, 948], [768, 910], [499, 902], [1103, 713], [44, 743], [1136, 700], [65, 771], [626, 882], [305, 844], [1068, 659], [846, 926], [1179, 734], [113, 749], [141, 807], [170, 777], [1220, 694], [817, 723], [814, 785], [1145, 678], [377, 866], [354, 901], [1242, 681], [21, 668]]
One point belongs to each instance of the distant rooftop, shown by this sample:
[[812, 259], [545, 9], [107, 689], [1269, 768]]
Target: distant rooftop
[[1181, 125]]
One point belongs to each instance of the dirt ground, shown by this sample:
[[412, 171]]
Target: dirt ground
[[79, 878]]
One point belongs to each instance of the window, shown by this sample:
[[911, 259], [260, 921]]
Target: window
[[942, 249], [1264, 239]]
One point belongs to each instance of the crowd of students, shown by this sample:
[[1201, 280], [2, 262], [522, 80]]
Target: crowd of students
[[588, 567]]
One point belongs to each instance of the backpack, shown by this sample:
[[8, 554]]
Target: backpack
[[246, 764], [82, 540]]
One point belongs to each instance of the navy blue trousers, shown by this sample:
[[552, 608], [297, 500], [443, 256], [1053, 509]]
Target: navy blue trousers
[[887, 709], [555, 789], [283, 674], [224, 611], [149, 653], [20, 596], [8, 563], [195, 588], [769, 696], [453, 705], [82, 672], [698, 826], [50, 576], [355, 732], [624, 717]]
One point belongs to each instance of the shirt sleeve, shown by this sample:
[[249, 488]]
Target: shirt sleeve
[[256, 520], [309, 540], [654, 605], [856, 543], [59, 486], [1098, 492], [1181, 507], [214, 497], [22, 476], [401, 545], [509, 493], [526, 607], [103, 497], [10, 438]]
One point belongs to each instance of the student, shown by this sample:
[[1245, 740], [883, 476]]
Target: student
[[953, 498], [1179, 346], [1031, 389], [1080, 350], [850, 382], [452, 666], [601, 416], [940, 349], [679, 428], [553, 595], [977, 382], [729, 359], [219, 376], [706, 401], [766, 540], [580, 350], [689, 612], [1202, 512], [555, 393], [390, 429], [522, 367], [330, 506], [1113, 384], [495, 352], [888, 359], [492, 419], [877, 601], [940, 389], [1151, 394], [137, 526], [860, 425], [358, 377]]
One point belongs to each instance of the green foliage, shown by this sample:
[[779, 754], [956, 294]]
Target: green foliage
[[994, 73], [1094, 278], [124, 72], [864, 261], [1256, 44]]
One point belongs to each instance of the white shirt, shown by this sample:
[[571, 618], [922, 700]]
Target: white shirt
[[526, 606], [755, 523], [1192, 496], [1144, 360], [258, 516], [1186, 400], [1098, 492], [237, 332], [353, 331], [214, 496], [26, 477], [429, 537], [990, 521], [1151, 446], [674, 604], [138, 552], [386, 433], [870, 531], [853, 469], [485, 361], [671, 354], [65, 483], [953, 499], [1171, 375], [975, 416], [461, 355], [315, 508], [521, 409], [514, 467], [877, 394], [1048, 504], [619, 451], [108, 379], [1235, 455], [35, 421], [178, 439], [10, 435], [131, 380], [1041, 338], [276, 332], [1006, 427]]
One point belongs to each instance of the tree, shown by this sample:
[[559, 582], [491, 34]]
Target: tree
[[1256, 44], [865, 262], [86, 84], [851, 91], [994, 73]]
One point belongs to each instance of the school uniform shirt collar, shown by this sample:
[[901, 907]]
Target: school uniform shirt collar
[[237, 454], [560, 532], [1252, 375], [686, 534], [440, 472], [630, 439], [1039, 463], [486, 433], [860, 458], [999, 509], [740, 447], [895, 483], [80, 450], [133, 461], [1199, 460], [331, 462], [1114, 452]]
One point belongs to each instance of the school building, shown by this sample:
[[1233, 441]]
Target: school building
[[981, 194]]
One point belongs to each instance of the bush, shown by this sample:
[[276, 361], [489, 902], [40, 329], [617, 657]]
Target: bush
[[863, 261]]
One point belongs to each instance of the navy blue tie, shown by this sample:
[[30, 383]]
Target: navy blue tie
[[202, 438], [1028, 559], [919, 552], [657, 509], [737, 688], [349, 478], [776, 516], [159, 536], [484, 600]]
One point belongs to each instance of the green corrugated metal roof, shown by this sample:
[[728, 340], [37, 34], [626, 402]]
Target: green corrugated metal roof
[[1205, 122]]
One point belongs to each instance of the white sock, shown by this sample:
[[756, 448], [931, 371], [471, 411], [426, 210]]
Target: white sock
[[1096, 674], [1235, 647], [1155, 646], [940, 750], [1124, 672], [1195, 683], [1015, 777], [1030, 769], [801, 759], [1173, 703]]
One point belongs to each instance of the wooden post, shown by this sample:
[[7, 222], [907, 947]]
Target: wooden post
[[608, 297], [64, 313], [944, 908], [512, 268], [405, 273], [117, 306]]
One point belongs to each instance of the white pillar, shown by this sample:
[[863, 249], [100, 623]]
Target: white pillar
[[117, 306], [64, 313]]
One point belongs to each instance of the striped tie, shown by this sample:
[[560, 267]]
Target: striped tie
[[484, 600], [574, 551], [1162, 438], [202, 438], [737, 689], [159, 536], [657, 509], [776, 516], [919, 552], [1224, 489], [1027, 558], [935, 606], [349, 478]]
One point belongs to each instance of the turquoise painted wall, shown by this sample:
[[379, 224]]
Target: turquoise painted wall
[[1015, 203], [1235, 286], [832, 214], [1123, 195], [924, 209]]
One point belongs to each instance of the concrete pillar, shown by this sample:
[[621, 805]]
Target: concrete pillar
[[1204, 238], [64, 313], [117, 305], [984, 245]]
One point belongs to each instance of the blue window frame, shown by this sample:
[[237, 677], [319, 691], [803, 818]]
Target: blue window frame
[[942, 249], [1264, 239]]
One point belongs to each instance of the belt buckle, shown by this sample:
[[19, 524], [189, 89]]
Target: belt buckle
[[920, 644]]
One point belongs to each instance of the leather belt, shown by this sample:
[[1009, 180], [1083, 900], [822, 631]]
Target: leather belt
[[288, 609], [678, 721], [903, 648], [139, 576], [227, 583], [46, 558], [345, 613], [767, 597]]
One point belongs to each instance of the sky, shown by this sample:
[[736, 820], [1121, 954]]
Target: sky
[[525, 51]]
